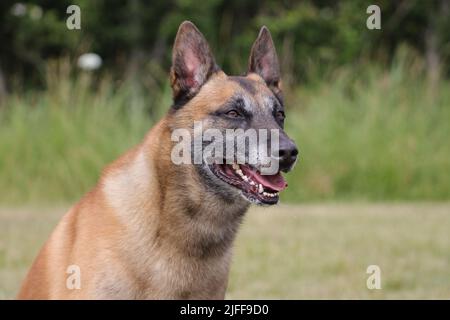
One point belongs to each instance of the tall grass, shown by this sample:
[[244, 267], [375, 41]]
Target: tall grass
[[54, 144], [374, 134]]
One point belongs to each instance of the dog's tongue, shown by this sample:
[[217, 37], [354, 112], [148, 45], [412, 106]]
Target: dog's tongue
[[275, 182]]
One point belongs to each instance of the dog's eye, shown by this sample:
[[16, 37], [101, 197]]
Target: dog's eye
[[233, 114], [280, 115]]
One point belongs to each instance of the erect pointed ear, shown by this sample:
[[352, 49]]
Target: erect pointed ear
[[192, 63], [264, 60]]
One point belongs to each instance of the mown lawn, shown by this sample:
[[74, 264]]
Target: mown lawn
[[296, 252]]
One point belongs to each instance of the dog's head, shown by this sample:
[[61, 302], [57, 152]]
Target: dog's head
[[214, 106]]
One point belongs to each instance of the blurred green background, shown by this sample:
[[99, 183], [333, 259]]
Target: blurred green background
[[369, 110]]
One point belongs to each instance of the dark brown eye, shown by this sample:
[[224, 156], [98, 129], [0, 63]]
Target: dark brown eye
[[233, 114], [280, 115]]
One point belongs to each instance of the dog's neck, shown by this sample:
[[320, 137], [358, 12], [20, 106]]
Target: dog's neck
[[205, 223], [178, 209]]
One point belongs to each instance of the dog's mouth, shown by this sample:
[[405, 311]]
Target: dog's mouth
[[255, 187]]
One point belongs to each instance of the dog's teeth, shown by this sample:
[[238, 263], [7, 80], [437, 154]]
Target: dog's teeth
[[239, 172], [269, 194], [260, 188]]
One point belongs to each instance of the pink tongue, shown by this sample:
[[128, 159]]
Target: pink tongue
[[275, 182]]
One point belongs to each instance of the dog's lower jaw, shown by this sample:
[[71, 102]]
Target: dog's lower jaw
[[228, 190], [224, 192], [255, 201]]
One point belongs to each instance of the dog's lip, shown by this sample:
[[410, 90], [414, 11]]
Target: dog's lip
[[249, 182]]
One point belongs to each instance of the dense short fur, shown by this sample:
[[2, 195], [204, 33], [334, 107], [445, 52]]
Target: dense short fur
[[151, 229]]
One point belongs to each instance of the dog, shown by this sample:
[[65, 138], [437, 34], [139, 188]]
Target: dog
[[152, 229]]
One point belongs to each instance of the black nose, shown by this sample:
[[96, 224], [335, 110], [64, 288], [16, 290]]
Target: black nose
[[288, 154]]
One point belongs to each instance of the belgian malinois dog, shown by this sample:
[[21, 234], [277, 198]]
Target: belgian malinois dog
[[152, 229]]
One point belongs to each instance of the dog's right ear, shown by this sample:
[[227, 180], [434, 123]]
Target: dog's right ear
[[192, 63]]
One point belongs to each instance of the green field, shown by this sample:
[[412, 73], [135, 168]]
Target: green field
[[297, 252]]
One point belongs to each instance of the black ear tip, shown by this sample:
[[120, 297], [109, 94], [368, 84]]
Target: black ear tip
[[186, 23], [264, 35], [264, 31], [188, 27]]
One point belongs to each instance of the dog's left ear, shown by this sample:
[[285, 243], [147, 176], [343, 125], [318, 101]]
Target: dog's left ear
[[192, 63], [264, 61]]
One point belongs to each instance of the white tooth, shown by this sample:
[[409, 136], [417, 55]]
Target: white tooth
[[265, 194], [239, 172], [235, 166], [252, 183], [260, 188], [245, 178]]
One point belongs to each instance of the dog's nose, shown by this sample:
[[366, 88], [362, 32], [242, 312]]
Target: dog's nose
[[287, 154]]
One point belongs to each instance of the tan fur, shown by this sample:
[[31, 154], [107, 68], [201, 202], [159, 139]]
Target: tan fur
[[131, 236]]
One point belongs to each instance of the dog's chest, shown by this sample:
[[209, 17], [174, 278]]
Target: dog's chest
[[181, 278], [166, 278]]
